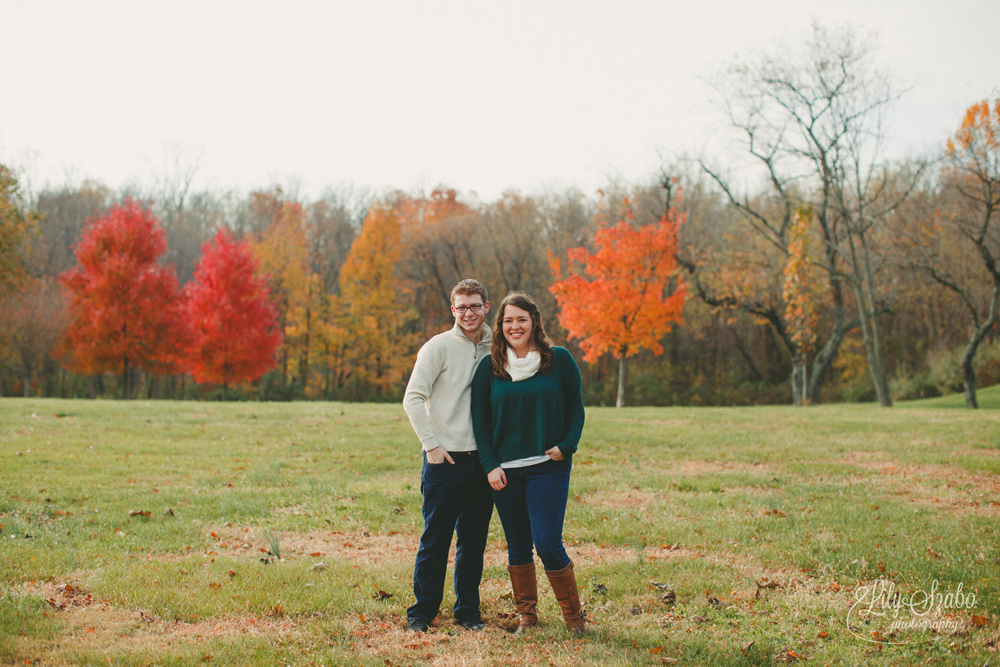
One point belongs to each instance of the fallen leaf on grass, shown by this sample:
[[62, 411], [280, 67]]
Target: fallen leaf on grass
[[978, 621], [746, 648], [70, 596], [142, 513], [319, 567], [823, 635], [601, 588], [276, 610], [316, 554], [381, 595], [789, 656], [655, 650], [666, 619], [669, 597]]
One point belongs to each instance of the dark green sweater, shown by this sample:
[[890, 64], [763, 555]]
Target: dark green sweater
[[515, 420]]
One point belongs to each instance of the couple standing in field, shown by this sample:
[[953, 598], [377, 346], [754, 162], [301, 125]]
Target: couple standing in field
[[499, 415]]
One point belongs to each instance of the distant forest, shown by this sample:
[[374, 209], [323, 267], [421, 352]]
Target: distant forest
[[815, 269]]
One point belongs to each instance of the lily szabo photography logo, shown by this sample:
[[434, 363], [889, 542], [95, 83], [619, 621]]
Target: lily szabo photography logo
[[881, 614]]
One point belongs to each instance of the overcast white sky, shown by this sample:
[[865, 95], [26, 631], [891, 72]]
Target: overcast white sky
[[481, 96]]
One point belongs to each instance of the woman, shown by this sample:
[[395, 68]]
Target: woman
[[527, 416]]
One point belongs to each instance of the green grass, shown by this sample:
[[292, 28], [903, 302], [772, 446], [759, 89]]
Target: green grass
[[779, 514], [988, 399]]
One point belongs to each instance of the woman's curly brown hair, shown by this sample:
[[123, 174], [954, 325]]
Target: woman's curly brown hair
[[539, 339]]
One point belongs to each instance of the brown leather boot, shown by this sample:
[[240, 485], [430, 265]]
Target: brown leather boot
[[564, 586], [522, 582]]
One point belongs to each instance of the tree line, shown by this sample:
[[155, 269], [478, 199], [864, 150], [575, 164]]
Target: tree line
[[806, 268]]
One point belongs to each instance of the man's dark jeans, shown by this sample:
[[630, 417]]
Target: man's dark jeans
[[457, 499], [531, 508]]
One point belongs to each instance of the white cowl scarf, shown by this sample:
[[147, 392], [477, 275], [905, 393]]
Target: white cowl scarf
[[522, 369]]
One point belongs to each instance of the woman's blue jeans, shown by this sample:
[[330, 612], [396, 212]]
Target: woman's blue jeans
[[531, 508]]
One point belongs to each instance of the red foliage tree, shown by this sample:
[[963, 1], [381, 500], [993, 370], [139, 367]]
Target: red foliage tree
[[630, 292], [125, 309], [235, 326]]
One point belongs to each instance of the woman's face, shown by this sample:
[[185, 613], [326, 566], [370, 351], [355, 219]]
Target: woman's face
[[517, 329]]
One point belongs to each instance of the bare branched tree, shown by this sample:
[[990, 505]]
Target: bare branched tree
[[937, 245], [813, 120]]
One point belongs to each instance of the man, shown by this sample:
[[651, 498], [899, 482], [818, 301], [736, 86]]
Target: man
[[457, 497]]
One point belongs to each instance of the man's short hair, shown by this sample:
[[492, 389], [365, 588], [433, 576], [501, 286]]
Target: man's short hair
[[469, 287]]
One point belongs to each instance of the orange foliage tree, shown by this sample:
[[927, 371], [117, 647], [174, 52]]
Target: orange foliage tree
[[627, 294], [438, 237], [233, 322], [125, 309]]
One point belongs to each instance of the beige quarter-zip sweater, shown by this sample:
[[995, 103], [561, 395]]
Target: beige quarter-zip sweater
[[439, 394]]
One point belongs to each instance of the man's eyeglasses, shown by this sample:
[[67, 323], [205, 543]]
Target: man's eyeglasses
[[462, 310]]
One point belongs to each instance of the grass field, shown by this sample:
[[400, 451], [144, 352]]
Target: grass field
[[138, 534]]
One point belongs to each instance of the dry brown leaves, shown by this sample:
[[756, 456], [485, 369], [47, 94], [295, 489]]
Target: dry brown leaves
[[951, 488]]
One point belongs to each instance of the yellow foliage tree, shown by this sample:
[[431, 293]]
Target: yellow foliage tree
[[283, 253], [800, 293], [375, 303], [15, 228]]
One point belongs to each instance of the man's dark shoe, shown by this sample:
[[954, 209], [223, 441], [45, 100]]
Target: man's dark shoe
[[416, 625], [474, 624]]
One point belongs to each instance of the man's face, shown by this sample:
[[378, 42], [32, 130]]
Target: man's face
[[474, 312]]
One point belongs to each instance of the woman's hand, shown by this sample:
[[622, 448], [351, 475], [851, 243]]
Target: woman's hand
[[497, 479], [555, 454]]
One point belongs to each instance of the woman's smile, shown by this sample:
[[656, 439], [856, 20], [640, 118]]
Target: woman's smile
[[517, 328]]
